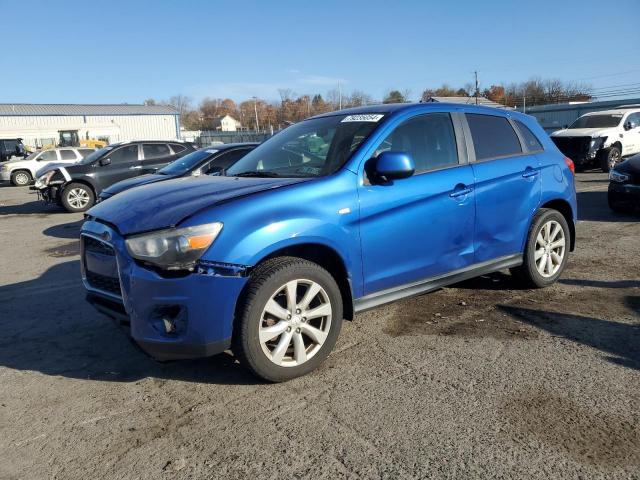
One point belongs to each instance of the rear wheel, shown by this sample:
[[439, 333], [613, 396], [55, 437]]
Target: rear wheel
[[289, 319], [77, 197], [546, 251], [21, 178], [610, 159]]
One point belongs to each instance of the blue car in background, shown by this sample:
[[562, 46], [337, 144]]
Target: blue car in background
[[339, 213], [206, 161]]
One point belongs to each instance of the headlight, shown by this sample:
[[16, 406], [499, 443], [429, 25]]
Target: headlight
[[4, 168], [597, 142], [616, 176], [44, 179], [173, 249]]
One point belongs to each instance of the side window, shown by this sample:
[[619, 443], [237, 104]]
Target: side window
[[225, 160], [68, 155], [492, 136], [177, 148], [124, 154], [155, 150], [430, 139], [48, 156], [532, 142], [634, 118], [85, 151]]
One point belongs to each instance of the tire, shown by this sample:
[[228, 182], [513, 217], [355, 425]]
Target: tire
[[21, 178], [77, 197], [609, 159], [537, 275], [274, 347]]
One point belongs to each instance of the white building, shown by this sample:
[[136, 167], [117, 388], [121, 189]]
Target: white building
[[40, 124], [227, 124]]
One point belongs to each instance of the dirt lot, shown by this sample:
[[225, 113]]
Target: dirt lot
[[478, 381]]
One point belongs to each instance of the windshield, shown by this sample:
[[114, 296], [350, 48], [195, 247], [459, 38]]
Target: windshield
[[597, 121], [312, 148], [33, 155], [187, 163], [93, 156]]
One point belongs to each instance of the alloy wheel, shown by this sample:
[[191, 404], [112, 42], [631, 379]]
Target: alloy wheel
[[22, 178], [295, 323], [78, 198], [614, 158], [550, 248]]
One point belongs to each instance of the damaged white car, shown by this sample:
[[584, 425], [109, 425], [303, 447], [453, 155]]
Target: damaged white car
[[601, 139]]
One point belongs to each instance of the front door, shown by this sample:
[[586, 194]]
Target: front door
[[124, 164], [421, 226]]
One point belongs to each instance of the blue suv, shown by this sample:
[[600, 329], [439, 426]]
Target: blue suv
[[337, 214]]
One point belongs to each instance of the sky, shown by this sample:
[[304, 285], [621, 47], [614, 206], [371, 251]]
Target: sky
[[127, 51]]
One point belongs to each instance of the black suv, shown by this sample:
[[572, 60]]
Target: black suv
[[11, 147], [206, 161], [77, 186]]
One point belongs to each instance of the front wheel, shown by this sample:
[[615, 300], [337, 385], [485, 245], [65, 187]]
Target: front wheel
[[609, 159], [546, 251], [77, 197], [21, 178], [289, 319]]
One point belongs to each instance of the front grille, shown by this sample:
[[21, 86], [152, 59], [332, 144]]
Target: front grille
[[103, 259], [101, 282], [93, 245], [573, 147]]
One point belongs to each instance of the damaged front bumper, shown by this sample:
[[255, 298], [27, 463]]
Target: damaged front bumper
[[170, 316]]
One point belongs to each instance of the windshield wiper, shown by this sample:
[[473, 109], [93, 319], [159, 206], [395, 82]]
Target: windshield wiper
[[253, 173]]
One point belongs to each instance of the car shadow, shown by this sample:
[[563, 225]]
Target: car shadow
[[65, 230], [30, 208], [492, 281], [594, 207], [49, 327], [620, 341], [600, 283]]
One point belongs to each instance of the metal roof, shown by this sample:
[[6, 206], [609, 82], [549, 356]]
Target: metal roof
[[44, 109], [468, 101]]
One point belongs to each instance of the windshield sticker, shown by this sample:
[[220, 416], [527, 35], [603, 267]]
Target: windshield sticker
[[365, 117]]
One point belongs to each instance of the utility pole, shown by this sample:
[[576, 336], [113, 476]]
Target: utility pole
[[524, 102], [477, 90], [255, 109], [339, 95]]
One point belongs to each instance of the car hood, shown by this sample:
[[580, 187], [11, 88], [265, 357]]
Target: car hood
[[166, 204], [583, 132], [13, 161], [135, 182], [630, 165], [52, 166]]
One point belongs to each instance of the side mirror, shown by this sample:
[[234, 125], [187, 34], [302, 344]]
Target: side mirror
[[629, 125], [104, 162], [394, 165]]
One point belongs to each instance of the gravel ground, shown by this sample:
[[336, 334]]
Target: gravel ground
[[482, 380]]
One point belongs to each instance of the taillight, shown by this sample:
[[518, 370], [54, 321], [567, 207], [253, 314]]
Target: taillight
[[570, 164]]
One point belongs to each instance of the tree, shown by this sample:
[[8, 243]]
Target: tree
[[149, 101], [495, 93], [394, 96]]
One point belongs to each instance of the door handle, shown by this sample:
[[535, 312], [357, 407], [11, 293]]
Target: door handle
[[460, 191], [529, 172], [137, 167]]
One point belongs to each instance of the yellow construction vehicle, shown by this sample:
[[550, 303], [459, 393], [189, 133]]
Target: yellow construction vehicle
[[70, 138]]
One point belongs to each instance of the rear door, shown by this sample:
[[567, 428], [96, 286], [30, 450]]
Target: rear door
[[156, 156], [507, 186], [124, 163], [68, 155]]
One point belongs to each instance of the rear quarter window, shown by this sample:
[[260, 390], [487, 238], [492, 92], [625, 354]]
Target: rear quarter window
[[492, 136], [530, 139]]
